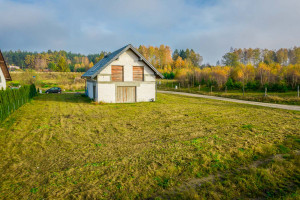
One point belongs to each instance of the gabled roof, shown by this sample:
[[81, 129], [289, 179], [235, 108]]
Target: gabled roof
[[99, 66], [4, 68]]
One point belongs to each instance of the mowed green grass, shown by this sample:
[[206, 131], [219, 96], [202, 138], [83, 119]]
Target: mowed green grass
[[65, 147]]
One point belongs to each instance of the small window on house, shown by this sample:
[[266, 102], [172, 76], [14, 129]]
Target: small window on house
[[117, 73], [138, 73]]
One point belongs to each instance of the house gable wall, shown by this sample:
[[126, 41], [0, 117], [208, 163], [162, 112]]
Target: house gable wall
[[128, 59], [2, 80]]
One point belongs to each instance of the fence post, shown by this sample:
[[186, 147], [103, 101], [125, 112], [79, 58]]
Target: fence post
[[179, 85], [298, 91], [266, 91]]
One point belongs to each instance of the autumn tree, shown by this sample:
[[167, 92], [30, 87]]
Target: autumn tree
[[230, 59], [220, 75], [30, 61], [62, 65]]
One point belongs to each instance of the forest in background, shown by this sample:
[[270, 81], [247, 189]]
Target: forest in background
[[251, 69], [62, 61], [239, 68], [57, 61]]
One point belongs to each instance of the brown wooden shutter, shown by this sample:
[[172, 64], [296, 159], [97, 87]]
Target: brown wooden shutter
[[138, 73], [117, 73]]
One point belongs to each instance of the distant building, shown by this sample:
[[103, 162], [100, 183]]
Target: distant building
[[4, 73], [13, 68], [123, 76]]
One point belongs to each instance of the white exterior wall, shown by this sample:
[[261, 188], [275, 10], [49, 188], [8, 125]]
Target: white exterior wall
[[106, 89], [2, 80], [106, 93], [89, 86], [146, 92]]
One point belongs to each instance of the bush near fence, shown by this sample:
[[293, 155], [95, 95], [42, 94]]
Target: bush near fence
[[12, 99]]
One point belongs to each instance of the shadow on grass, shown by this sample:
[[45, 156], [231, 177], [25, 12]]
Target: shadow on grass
[[64, 97]]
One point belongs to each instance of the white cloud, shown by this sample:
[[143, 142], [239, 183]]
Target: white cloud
[[91, 26]]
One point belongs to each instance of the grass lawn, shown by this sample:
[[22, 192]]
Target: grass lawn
[[62, 146]]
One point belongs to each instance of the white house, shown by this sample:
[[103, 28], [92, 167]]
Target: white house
[[123, 76], [4, 73]]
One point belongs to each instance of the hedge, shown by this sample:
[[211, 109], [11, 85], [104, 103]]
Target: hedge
[[12, 99]]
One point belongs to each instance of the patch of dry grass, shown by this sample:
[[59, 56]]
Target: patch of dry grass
[[63, 146]]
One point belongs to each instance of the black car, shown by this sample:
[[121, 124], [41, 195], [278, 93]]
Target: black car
[[53, 90]]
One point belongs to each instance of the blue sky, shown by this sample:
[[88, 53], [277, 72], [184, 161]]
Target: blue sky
[[90, 26]]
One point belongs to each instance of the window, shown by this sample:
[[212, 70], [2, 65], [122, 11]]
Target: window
[[138, 73], [117, 73]]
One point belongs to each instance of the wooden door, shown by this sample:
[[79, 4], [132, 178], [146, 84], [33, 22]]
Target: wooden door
[[126, 94], [117, 73]]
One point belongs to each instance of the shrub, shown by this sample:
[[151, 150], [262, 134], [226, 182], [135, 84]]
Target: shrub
[[238, 85], [278, 87], [229, 84], [253, 85], [170, 75], [12, 99]]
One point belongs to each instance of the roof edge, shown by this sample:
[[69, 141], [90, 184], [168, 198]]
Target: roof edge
[[9, 77]]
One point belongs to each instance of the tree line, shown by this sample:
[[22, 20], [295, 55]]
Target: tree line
[[162, 58], [281, 56], [61, 61], [251, 69]]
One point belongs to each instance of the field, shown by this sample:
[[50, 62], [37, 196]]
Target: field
[[68, 81], [289, 97], [62, 146]]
